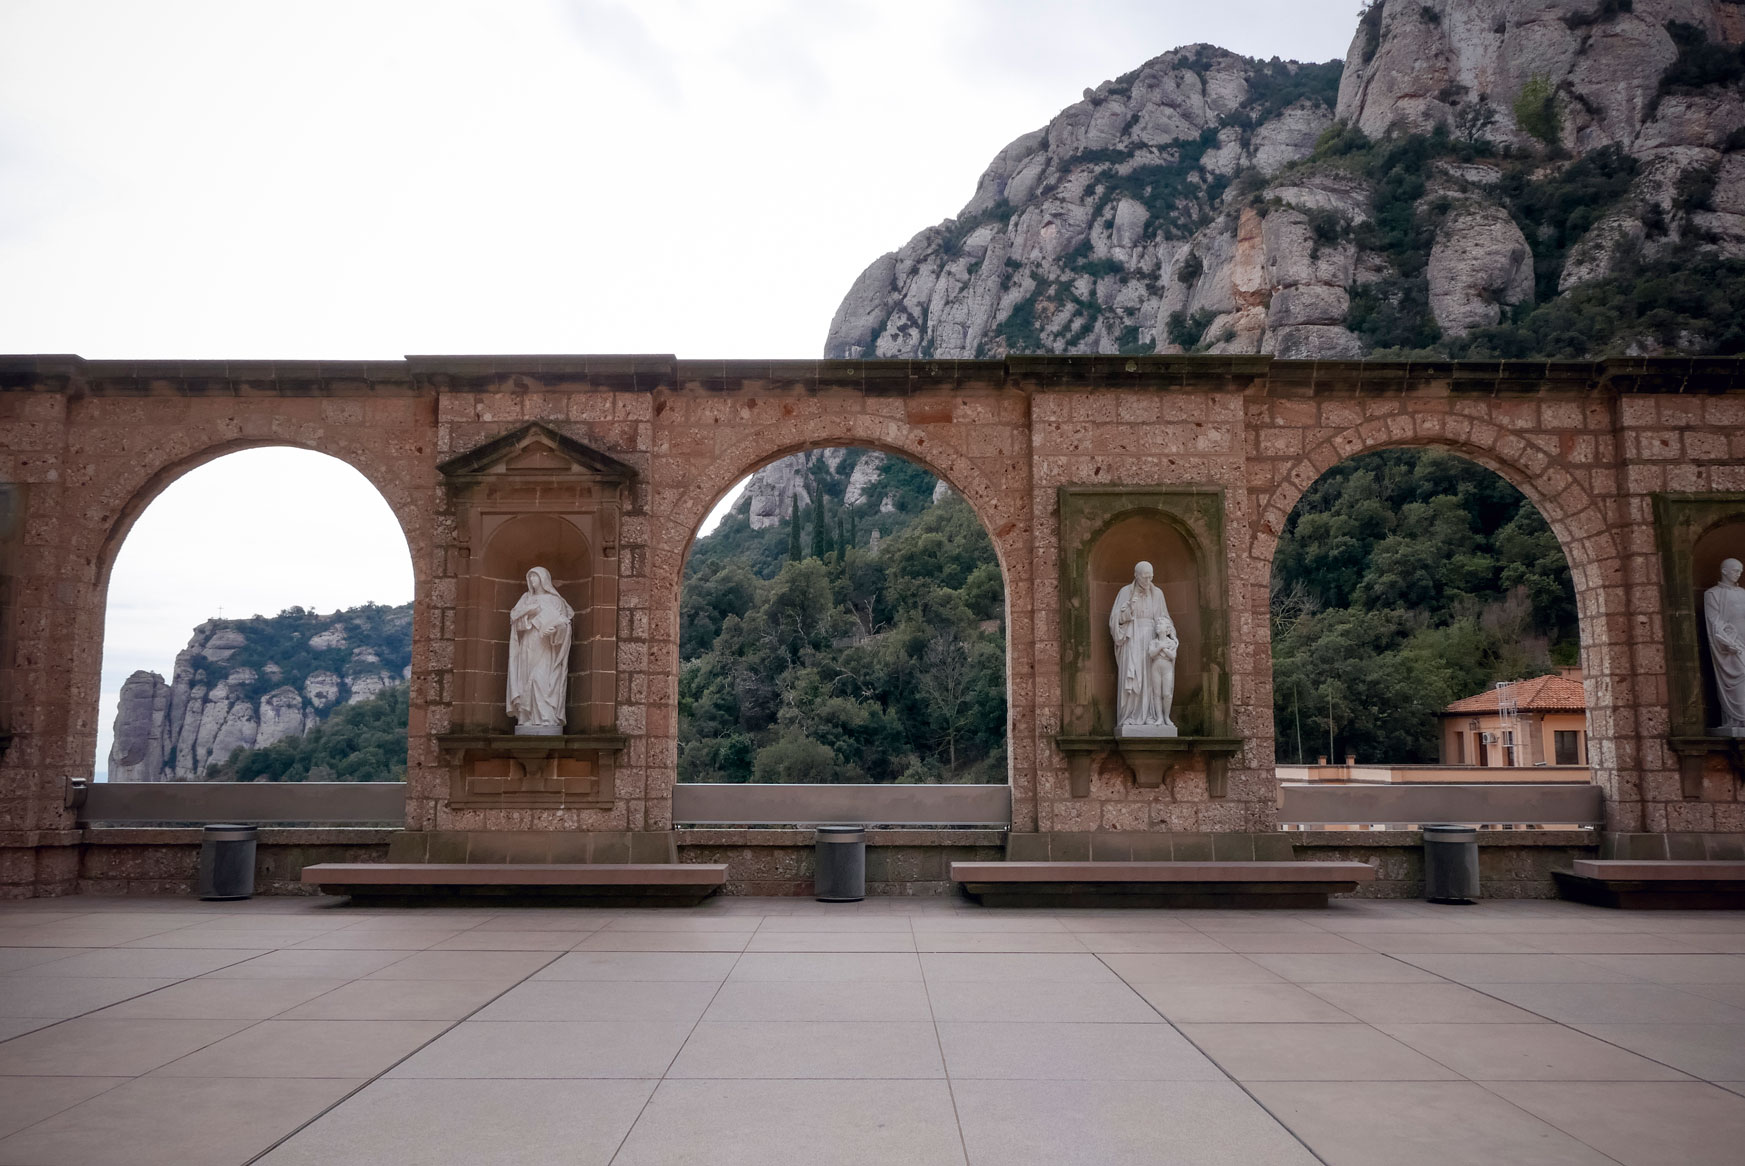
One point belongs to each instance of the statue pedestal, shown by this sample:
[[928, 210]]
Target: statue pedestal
[[538, 731], [1151, 758], [494, 770], [1145, 732]]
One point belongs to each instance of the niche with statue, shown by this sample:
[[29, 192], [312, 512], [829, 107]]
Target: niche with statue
[[533, 721], [1144, 633], [1702, 543]]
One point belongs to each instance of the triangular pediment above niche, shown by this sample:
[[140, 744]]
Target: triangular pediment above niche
[[536, 449]]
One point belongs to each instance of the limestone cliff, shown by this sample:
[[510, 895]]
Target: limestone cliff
[[242, 684], [1470, 163]]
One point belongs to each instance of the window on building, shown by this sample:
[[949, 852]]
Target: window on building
[[1567, 743], [1460, 748], [1484, 752]]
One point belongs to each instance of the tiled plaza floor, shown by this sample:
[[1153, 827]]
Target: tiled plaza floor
[[764, 1032]]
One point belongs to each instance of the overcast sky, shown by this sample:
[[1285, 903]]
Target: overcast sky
[[352, 180]]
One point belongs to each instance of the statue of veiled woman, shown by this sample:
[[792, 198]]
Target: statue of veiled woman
[[539, 657]]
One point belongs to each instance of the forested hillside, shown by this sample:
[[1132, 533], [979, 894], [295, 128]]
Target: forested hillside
[[1405, 580], [808, 654]]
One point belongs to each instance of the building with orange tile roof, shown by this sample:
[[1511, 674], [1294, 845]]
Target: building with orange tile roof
[[1541, 721]]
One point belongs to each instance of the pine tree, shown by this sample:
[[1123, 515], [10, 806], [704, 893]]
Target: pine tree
[[794, 530], [820, 543], [853, 534], [841, 539]]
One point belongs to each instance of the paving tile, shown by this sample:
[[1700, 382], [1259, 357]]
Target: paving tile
[[1449, 1123], [1019, 942], [1366, 968], [27, 1100], [173, 1121], [1619, 943], [12, 959], [609, 940], [1714, 1052], [1006, 1050], [308, 1048], [1675, 969], [1616, 1003], [814, 924], [400, 1000], [1119, 1123], [1046, 968], [639, 965], [676, 1001], [465, 965], [394, 939], [1140, 942], [835, 1000], [11, 1026], [1234, 1003], [1440, 943], [1516, 969], [569, 1049], [1712, 941], [471, 1123], [822, 966], [205, 999], [479, 939], [1311, 1052], [1421, 1003], [1693, 1125], [51, 999], [796, 1123], [1290, 942], [1527, 1052], [88, 1047], [835, 941], [548, 919], [165, 963], [984, 923], [1040, 1002], [681, 922], [337, 964], [1131, 921], [810, 1050], [1190, 969]]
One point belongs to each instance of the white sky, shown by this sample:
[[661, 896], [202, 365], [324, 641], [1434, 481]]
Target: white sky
[[344, 179]]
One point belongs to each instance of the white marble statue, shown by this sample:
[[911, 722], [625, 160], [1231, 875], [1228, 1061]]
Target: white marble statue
[[539, 657], [1145, 649], [1724, 616]]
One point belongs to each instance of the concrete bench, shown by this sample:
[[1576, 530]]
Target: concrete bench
[[605, 884], [1158, 884], [1652, 883]]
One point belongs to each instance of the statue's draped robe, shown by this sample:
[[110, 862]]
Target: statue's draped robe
[[1724, 613], [1139, 623], [539, 654]]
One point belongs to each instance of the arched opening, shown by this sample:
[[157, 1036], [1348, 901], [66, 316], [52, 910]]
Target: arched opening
[[1408, 585], [843, 622], [258, 627]]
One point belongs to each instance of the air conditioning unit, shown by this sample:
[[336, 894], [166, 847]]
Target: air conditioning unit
[[1488, 738]]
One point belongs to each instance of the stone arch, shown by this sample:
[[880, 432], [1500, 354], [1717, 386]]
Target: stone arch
[[678, 508], [116, 503], [1576, 519]]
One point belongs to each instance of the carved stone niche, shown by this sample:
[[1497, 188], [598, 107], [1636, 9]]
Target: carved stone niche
[[1696, 532], [534, 498], [1104, 531]]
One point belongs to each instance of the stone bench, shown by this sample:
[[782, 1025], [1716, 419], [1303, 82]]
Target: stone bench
[[1158, 884], [1652, 883], [603, 884]]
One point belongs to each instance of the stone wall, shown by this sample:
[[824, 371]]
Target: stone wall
[[1512, 864], [144, 861], [86, 445]]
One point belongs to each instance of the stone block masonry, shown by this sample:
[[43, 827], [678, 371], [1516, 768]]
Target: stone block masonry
[[86, 445]]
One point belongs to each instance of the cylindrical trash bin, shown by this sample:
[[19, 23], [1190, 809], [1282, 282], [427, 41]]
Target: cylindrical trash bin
[[840, 876], [227, 862], [1450, 864]]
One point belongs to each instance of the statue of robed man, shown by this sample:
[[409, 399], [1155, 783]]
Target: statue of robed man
[[539, 657], [1145, 650], [1724, 617]]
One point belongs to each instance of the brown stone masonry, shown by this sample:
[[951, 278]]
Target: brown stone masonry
[[633, 451]]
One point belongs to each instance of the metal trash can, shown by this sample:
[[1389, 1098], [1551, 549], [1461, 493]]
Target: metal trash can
[[227, 862], [1450, 864], [840, 875]]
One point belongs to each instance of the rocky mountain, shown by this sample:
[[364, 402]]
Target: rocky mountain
[[251, 683], [772, 492], [1479, 178]]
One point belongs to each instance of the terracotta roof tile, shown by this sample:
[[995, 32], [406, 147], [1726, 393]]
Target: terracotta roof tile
[[1542, 694]]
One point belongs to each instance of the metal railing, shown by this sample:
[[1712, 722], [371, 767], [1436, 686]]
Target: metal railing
[[1465, 804], [865, 805], [183, 803]]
